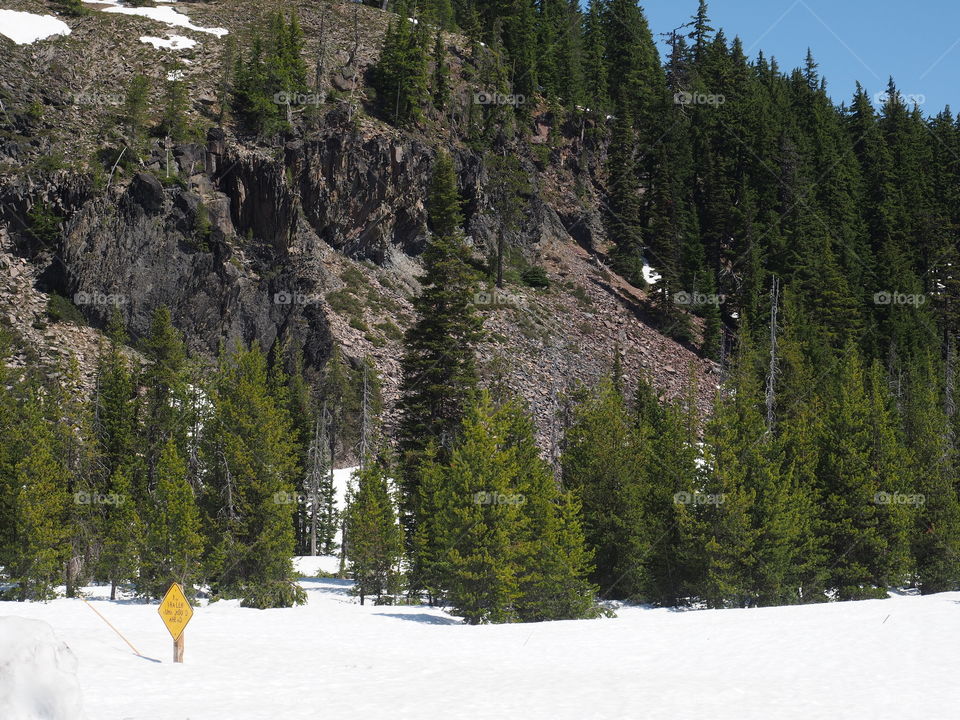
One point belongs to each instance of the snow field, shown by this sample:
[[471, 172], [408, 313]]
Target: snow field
[[874, 659], [25, 28]]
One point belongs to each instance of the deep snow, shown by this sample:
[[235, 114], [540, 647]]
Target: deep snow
[[879, 659], [875, 659]]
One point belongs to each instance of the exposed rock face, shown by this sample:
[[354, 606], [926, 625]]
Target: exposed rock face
[[247, 242]]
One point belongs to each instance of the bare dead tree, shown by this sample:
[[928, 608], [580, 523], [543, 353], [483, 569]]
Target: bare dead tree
[[772, 372]]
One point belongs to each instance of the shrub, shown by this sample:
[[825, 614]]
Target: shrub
[[535, 277], [61, 309]]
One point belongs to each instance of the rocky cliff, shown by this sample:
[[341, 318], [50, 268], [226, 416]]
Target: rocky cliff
[[314, 235]]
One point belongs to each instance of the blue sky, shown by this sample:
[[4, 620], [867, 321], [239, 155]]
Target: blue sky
[[918, 42]]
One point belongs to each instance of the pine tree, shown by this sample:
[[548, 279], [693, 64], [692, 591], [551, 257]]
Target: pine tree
[[439, 368], [937, 533], [440, 84], [37, 550], [172, 540], [554, 561], [671, 469], [135, 108], [173, 121], [114, 398], [849, 486], [251, 465], [481, 518], [122, 532], [622, 216], [165, 412], [400, 75], [375, 542], [604, 465]]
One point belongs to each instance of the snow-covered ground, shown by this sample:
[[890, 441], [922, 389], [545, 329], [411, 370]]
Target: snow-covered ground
[[875, 659], [25, 28], [880, 659]]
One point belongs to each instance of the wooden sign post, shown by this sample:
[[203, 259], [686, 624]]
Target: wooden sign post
[[175, 611]]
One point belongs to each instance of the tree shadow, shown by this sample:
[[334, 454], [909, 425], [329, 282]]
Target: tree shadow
[[422, 618]]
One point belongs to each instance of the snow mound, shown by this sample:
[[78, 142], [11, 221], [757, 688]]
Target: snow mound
[[172, 42], [314, 566], [650, 275], [25, 28], [165, 15], [38, 673]]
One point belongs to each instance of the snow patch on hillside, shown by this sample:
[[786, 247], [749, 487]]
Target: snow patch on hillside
[[165, 15], [650, 275], [171, 42], [38, 673], [25, 28]]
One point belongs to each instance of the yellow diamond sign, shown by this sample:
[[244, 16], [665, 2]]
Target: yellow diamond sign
[[175, 610]]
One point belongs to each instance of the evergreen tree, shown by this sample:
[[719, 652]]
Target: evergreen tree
[[501, 542], [135, 107], [166, 411], [115, 402], [440, 84], [122, 532], [622, 218], [439, 368], [172, 539], [250, 465], [173, 121], [936, 537], [400, 75], [604, 465], [849, 486], [36, 489], [375, 542]]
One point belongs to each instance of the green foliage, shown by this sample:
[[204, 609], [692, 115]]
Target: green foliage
[[173, 540], [135, 109], [123, 532], [604, 465], [250, 464], [173, 119], [270, 76], [498, 541], [439, 367], [73, 8], [535, 277], [374, 537], [36, 550], [400, 75], [61, 309], [44, 224]]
